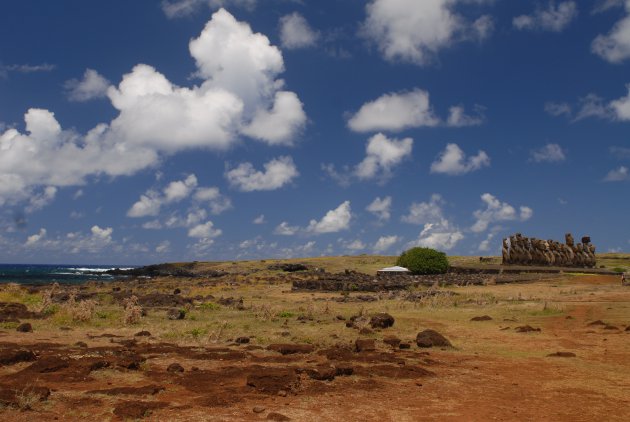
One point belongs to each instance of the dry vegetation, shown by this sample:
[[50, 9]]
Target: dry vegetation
[[493, 372]]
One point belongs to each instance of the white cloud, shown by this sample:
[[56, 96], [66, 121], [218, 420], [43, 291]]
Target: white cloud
[[295, 32], [453, 161], [35, 238], [181, 8], [458, 118], [355, 245], [260, 219], [550, 153], [614, 47], [414, 31], [382, 155], [239, 94], [437, 232], [149, 204], [284, 229], [437, 236], [381, 208], [204, 231], [604, 5], [426, 212], [620, 174], [334, 221], [556, 17], [103, 235], [395, 112], [92, 86], [496, 211], [278, 172], [218, 203], [176, 191], [594, 106], [41, 200], [279, 125], [384, 243], [484, 246]]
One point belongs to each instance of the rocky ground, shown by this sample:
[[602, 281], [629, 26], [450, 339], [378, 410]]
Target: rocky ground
[[243, 345]]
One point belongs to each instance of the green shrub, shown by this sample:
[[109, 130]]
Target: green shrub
[[209, 306], [424, 261], [285, 314], [619, 270]]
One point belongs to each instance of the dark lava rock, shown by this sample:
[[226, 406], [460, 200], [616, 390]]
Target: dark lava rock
[[273, 380], [136, 409], [12, 312], [175, 367], [81, 344], [628, 328], [322, 373], [403, 346], [610, 327], [598, 322], [562, 355], [381, 320], [365, 331], [177, 291], [289, 268], [392, 341], [242, 340], [340, 318], [278, 417], [526, 329], [142, 334], [350, 324], [364, 345], [344, 371], [25, 328], [48, 365], [481, 318], [10, 357], [431, 338], [175, 314], [12, 397], [290, 349], [149, 390]]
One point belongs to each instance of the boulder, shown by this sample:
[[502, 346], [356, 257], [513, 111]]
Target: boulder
[[431, 338], [175, 314], [381, 320], [364, 345]]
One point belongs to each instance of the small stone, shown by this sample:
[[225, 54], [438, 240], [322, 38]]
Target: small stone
[[25, 328], [282, 393], [279, 417], [365, 331], [403, 346], [431, 338], [364, 345], [382, 320], [175, 314], [142, 334], [175, 367], [258, 409], [242, 340]]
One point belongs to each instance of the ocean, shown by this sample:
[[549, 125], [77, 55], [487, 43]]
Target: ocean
[[44, 274]]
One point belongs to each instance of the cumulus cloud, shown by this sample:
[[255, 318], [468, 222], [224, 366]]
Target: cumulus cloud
[[41, 200], [278, 172], [181, 8], [395, 112], [384, 243], [163, 247], [558, 109], [295, 32], [25, 68], [239, 94], [35, 238], [453, 161], [152, 201], [594, 106], [550, 153], [381, 208], [260, 219], [204, 231], [413, 31], [620, 174], [382, 155], [284, 229], [437, 232], [334, 221], [354, 245], [497, 211], [614, 47], [555, 18], [92, 86]]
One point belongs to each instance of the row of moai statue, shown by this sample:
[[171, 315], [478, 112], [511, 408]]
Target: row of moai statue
[[521, 250]]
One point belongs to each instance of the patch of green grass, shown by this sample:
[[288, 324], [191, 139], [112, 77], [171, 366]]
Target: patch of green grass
[[209, 306], [285, 314], [9, 325]]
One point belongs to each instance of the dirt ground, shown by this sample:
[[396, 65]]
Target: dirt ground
[[573, 364]]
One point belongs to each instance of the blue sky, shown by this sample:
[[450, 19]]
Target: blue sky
[[147, 131]]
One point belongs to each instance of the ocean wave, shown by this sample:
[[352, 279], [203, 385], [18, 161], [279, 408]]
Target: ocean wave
[[95, 270]]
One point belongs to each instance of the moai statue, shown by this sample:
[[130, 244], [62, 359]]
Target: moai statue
[[528, 250], [513, 250], [591, 248], [505, 252], [579, 255], [570, 255], [569, 240]]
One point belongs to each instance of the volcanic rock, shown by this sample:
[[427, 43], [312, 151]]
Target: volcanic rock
[[431, 338], [381, 320]]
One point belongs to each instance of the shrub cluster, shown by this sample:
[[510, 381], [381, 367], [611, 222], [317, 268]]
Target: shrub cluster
[[423, 261]]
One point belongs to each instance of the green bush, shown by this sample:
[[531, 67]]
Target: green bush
[[619, 270], [424, 261]]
